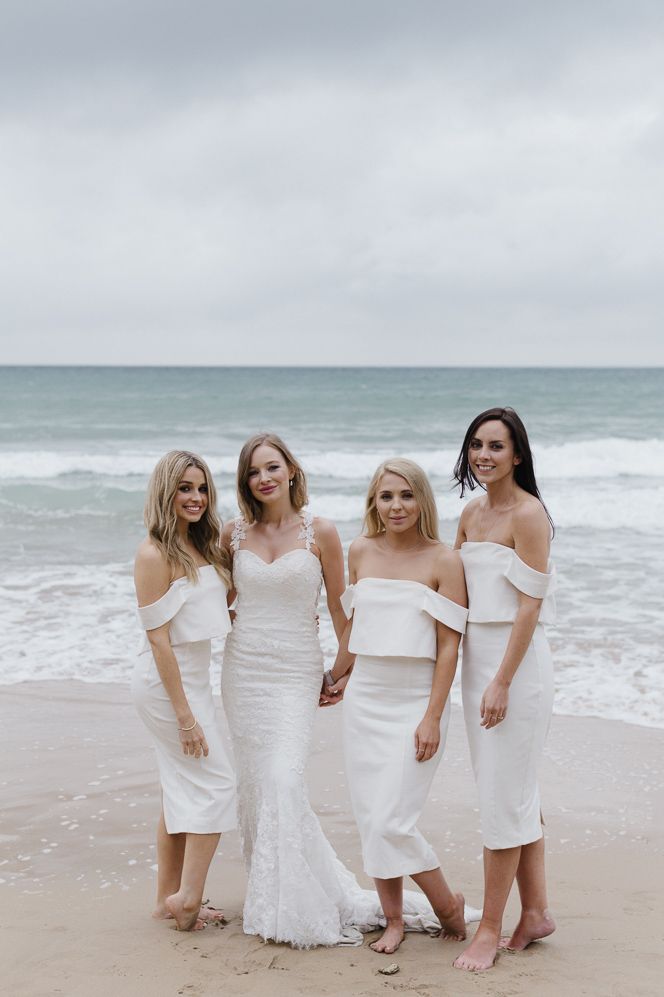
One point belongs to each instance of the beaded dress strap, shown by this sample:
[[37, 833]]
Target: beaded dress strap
[[239, 533], [307, 531]]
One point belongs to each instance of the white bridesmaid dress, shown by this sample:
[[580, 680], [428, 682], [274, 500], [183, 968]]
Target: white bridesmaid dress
[[198, 793], [394, 640], [505, 758]]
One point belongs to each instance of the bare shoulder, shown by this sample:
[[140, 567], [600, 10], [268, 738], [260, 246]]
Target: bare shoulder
[[227, 532], [324, 529], [450, 575], [529, 517], [152, 573], [149, 557], [448, 562], [470, 510]]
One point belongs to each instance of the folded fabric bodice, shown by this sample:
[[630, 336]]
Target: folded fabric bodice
[[495, 575], [393, 617], [195, 610]]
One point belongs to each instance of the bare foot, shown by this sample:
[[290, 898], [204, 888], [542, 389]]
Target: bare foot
[[206, 913], [452, 921], [185, 915], [532, 926], [480, 954], [390, 940]]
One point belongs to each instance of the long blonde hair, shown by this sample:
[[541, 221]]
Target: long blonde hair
[[252, 510], [427, 524], [161, 521]]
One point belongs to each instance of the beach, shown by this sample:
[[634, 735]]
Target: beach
[[80, 802]]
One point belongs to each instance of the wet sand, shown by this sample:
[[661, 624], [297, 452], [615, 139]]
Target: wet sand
[[80, 801]]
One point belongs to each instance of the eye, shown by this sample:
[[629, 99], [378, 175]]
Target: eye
[[273, 467], [184, 488], [407, 495], [497, 446], [203, 488], [252, 473], [475, 445]]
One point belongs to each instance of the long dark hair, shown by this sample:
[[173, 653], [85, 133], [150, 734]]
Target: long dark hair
[[524, 472]]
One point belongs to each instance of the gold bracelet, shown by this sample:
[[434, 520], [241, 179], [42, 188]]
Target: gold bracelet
[[189, 728]]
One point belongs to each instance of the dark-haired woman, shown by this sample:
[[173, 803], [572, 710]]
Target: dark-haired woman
[[507, 677]]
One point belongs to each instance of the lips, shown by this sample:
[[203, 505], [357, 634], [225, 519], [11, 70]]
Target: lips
[[266, 491]]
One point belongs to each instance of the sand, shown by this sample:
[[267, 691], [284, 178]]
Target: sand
[[80, 800]]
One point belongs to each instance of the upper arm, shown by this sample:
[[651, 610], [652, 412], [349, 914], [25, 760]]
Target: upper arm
[[354, 557], [152, 574], [462, 528], [450, 577], [331, 558], [531, 535]]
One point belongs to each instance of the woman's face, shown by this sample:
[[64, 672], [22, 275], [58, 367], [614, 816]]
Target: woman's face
[[396, 504], [491, 453], [191, 497], [269, 475]]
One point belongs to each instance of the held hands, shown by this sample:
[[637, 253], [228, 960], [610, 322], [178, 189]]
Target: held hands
[[427, 739], [330, 695], [193, 741], [493, 707]]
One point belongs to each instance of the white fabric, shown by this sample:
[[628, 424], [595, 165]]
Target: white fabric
[[206, 614], [297, 890], [198, 793], [384, 702], [505, 758], [394, 617], [495, 575]]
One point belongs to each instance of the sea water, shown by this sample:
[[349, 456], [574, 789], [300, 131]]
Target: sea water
[[77, 446]]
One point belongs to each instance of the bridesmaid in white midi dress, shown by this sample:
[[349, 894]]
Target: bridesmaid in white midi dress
[[182, 584], [507, 675], [407, 600]]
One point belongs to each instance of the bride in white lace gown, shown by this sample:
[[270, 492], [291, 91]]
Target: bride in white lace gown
[[298, 891]]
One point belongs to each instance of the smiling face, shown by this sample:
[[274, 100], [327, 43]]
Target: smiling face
[[269, 475], [191, 498], [397, 507], [491, 453]]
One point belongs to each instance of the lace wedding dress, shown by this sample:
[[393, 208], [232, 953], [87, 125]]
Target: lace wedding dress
[[298, 891]]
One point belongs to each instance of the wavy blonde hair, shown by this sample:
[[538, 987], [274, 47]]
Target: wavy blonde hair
[[161, 520], [427, 524], [252, 510]]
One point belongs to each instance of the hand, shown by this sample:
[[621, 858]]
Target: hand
[[330, 695], [493, 708], [193, 742], [427, 739]]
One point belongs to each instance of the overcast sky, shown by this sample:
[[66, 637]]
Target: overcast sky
[[372, 182]]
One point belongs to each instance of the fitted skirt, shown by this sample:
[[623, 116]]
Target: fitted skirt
[[198, 794], [385, 700], [505, 758]]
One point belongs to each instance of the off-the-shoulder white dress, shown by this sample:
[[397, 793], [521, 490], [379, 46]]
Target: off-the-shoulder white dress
[[198, 793], [505, 758], [394, 638]]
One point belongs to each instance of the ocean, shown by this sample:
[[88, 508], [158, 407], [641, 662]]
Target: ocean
[[77, 446]]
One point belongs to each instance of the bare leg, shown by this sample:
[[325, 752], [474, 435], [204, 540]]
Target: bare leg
[[170, 856], [448, 907], [500, 867], [185, 904], [535, 921], [390, 894]]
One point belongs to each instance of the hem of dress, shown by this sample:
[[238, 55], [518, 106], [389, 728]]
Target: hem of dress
[[404, 871], [193, 828], [513, 843], [285, 940]]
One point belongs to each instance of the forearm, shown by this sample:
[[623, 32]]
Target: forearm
[[523, 629], [443, 676], [344, 660], [338, 617], [169, 673]]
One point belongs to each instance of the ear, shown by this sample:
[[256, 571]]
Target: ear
[[517, 460]]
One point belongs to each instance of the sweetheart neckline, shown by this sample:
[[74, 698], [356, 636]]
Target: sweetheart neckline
[[268, 564]]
